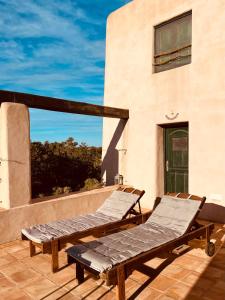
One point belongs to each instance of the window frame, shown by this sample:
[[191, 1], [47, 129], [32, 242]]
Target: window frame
[[175, 49]]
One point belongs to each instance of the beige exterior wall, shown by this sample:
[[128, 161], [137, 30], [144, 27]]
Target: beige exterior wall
[[14, 219], [15, 185], [195, 91]]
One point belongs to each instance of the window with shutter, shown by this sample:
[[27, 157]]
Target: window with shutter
[[173, 43]]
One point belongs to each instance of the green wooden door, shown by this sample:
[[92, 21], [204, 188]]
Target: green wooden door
[[176, 159]]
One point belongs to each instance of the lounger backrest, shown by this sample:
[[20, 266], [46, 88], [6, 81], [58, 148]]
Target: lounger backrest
[[175, 213], [118, 204]]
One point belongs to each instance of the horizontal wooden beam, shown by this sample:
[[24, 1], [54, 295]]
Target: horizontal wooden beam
[[61, 105]]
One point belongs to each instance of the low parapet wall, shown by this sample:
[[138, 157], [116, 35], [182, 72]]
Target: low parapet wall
[[14, 219]]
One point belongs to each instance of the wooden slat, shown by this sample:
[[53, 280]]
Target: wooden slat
[[186, 196], [61, 105]]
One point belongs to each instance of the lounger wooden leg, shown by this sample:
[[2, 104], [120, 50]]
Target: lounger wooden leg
[[79, 273], [207, 235], [32, 249], [120, 289], [70, 260], [55, 255], [210, 246]]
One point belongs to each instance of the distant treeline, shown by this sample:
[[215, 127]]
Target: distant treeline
[[63, 167]]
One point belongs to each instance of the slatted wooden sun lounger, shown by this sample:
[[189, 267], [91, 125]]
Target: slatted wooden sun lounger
[[114, 257], [116, 211]]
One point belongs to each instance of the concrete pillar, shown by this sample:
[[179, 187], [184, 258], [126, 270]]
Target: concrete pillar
[[15, 172]]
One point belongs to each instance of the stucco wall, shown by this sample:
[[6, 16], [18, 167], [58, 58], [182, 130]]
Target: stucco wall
[[195, 91], [14, 219], [15, 186]]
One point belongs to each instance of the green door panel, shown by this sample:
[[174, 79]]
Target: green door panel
[[176, 159]]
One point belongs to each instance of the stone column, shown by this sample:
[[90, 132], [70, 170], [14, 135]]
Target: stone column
[[15, 171]]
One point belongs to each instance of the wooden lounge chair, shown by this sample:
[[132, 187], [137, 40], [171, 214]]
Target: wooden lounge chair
[[116, 211], [114, 257]]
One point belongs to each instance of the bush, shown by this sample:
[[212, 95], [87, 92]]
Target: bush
[[90, 184], [57, 190]]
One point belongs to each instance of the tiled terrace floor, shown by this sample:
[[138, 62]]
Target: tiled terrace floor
[[192, 276]]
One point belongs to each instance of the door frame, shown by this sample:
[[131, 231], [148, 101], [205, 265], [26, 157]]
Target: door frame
[[172, 125], [161, 172]]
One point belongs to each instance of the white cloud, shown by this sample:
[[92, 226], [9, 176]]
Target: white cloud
[[55, 48], [44, 47]]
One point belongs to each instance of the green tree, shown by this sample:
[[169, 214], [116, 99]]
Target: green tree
[[63, 166]]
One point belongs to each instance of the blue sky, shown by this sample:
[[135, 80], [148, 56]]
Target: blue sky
[[56, 48]]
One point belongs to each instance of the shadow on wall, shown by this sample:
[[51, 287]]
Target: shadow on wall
[[110, 163], [213, 212]]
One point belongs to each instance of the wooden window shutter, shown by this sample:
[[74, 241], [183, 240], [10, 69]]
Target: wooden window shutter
[[173, 43]]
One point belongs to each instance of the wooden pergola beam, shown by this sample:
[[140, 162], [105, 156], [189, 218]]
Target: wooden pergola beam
[[61, 105]]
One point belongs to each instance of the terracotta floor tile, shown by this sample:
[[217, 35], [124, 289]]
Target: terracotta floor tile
[[6, 259], [131, 286], [204, 283], [100, 292], [195, 293], [5, 245], [14, 294], [214, 273], [40, 288], [140, 293], [222, 251], [218, 261], [14, 248], [202, 267], [12, 268], [63, 276], [162, 283], [88, 286], [175, 271], [24, 243], [199, 252], [68, 297], [138, 276], [191, 279], [20, 254], [39, 263], [155, 262], [214, 294], [193, 297], [62, 294], [165, 297], [220, 284], [62, 258], [22, 278], [189, 262], [2, 252], [20, 274], [178, 291], [5, 284]]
